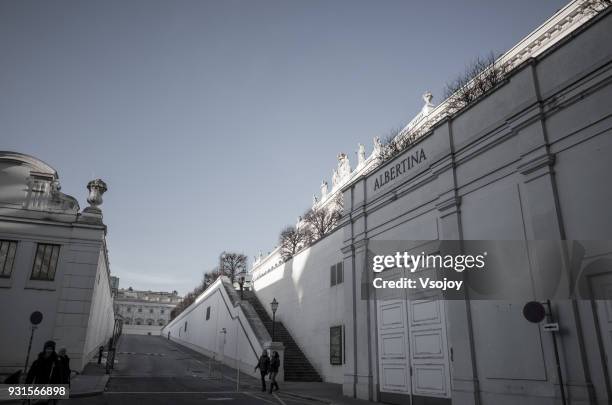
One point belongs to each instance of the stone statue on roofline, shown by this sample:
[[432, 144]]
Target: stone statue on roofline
[[335, 178], [360, 154], [344, 166], [428, 107], [377, 147], [324, 190], [315, 200]]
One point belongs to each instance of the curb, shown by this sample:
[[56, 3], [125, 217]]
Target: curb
[[98, 391], [308, 397]]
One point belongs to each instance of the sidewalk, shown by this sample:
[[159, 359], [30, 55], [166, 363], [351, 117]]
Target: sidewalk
[[91, 381], [327, 393]]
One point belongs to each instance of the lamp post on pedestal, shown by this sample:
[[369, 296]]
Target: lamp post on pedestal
[[274, 305], [241, 282]]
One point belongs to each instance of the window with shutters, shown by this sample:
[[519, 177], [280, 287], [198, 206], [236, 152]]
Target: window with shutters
[[336, 274]]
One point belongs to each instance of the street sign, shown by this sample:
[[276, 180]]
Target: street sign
[[36, 317], [534, 311], [551, 327]]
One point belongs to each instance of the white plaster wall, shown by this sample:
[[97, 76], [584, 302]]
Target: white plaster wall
[[205, 336], [308, 305], [101, 316]]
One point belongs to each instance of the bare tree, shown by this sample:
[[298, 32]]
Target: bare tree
[[322, 220], [187, 300], [291, 240], [210, 276], [231, 264], [480, 76], [392, 144]]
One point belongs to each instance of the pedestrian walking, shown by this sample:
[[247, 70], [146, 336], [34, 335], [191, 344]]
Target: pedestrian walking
[[264, 367], [274, 366], [65, 365], [47, 368]]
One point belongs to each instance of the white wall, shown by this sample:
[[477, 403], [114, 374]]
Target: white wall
[[205, 336], [101, 316]]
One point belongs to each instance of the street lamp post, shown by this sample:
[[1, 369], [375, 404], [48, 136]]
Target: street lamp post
[[241, 282], [274, 305]]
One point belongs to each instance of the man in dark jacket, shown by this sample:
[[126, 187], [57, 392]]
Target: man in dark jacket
[[264, 366], [47, 368]]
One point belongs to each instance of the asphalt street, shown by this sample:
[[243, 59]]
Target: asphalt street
[[153, 370]]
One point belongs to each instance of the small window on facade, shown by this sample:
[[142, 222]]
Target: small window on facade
[[45, 262], [139, 309], [150, 311], [129, 309], [162, 311], [185, 326], [150, 322], [335, 345], [7, 257], [207, 313], [336, 274]]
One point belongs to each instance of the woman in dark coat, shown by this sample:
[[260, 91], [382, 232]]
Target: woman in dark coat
[[65, 365], [47, 368], [274, 366]]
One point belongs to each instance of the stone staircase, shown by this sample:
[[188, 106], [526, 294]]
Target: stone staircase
[[296, 365]]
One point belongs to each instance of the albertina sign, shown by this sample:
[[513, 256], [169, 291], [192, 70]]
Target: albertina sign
[[400, 168]]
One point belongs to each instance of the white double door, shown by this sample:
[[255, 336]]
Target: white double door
[[412, 343]]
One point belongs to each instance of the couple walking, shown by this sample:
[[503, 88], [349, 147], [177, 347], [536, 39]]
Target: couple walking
[[267, 365]]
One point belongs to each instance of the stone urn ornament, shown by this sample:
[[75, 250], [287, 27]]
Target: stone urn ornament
[[96, 188]]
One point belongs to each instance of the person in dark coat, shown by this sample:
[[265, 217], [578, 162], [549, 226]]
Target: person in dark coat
[[65, 365], [47, 368], [264, 366], [274, 366]]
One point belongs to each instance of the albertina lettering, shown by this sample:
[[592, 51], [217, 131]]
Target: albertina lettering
[[399, 168]]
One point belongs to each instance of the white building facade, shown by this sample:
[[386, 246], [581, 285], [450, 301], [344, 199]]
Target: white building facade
[[527, 161], [54, 260], [144, 312]]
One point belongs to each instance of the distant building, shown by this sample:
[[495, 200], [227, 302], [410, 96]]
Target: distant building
[[144, 312], [53, 259], [114, 285]]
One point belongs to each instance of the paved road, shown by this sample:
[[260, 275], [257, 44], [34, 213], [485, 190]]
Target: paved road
[[152, 370]]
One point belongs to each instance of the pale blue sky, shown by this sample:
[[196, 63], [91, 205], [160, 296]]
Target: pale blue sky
[[214, 122]]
